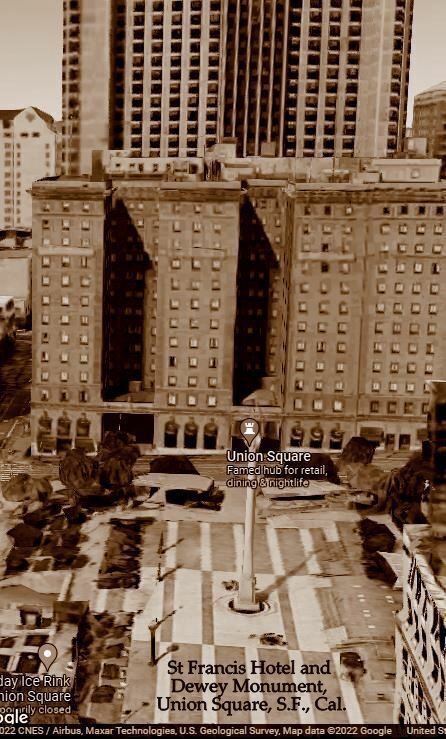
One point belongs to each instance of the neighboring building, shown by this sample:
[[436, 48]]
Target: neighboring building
[[27, 153], [420, 685], [294, 79], [429, 120], [154, 87], [318, 300], [15, 271], [317, 79]]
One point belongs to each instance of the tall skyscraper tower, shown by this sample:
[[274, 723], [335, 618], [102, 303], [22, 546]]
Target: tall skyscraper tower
[[140, 75], [317, 77], [172, 77]]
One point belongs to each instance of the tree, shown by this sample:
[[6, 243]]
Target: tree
[[78, 471]]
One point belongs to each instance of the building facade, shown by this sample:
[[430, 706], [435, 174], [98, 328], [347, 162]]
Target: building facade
[[420, 636], [27, 152], [135, 310], [429, 120], [154, 86], [315, 78], [199, 294], [172, 78]]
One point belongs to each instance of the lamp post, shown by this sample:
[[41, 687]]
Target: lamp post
[[245, 599]]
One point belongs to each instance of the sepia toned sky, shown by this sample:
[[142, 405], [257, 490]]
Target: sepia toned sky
[[31, 52]]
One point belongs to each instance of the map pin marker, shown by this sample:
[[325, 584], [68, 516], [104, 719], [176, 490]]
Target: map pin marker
[[47, 655], [249, 429]]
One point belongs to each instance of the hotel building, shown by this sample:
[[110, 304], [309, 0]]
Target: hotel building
[[173, 77], [228, 283], [27, 152], [429, 120]]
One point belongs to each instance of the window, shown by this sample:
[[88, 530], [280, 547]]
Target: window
[[64, 376], [380, 308], [45, 300], [323, 308], [435, 268], [174, 304], [340, 366], [318, 385], [44, 395], [376, 366], [215, 304], [374, 406], [338, 406], [194, 303], [196, 227], [192, 381], [46, 261], [83, 339], [377, 347], [212, 382], [403, 229], [342, 328], [192, 400], [85, 282], [300, 346], [376, 387], [85, 320], [431, 329], [193, 362], [85, 225], [428, 369], [213, 363], [393, 387], [391, 407], [176, 226], [298, 404], [318, 405], [212, 400], [385, 228], [433, 309], [322, 328], [64, 319], [44, 376], [402, 248], [175, 263], [83, 376], [302, 307], [45, 281], [213, 343], [434, 289], [85, 301], [44, 356], [341, 347], [65, 300], [171, 399], [216, 264], [410, 387], [321, 346], [302, 326], [171, 380]]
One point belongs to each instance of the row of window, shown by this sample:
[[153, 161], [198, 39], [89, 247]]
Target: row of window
[[192, 362], [63, 357], [323, 327], [414, 328], [196, 226], [214, 304], [65, 281], [324, 287], [64, 376], [65, 320], [66, 241], [415, 308], [48, 207], [319, 405], [64, 396], [172, 399], [192, 381], [399, 288], [391, 407], [65, 338], [193, 285], [393, 387], [177, 263], [387, 210], [65, 261]]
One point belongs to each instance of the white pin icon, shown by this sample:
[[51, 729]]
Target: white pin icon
[[249, 429], [47, 655]]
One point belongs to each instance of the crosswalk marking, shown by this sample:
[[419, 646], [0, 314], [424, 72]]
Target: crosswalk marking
[[162, 688], [308, 545], [208, 658], [274, 551], [252, 655], [206, 547]]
